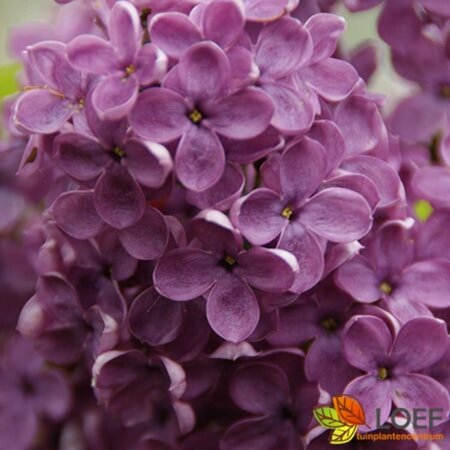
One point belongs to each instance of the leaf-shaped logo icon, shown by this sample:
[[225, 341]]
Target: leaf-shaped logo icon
[[349, 410], [343, 434], [327, 417]]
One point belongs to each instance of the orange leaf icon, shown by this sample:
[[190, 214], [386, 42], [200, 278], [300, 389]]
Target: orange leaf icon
[[349, 410]]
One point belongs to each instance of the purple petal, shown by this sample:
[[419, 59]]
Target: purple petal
[[360, 123], [173, 33], [150, 64], [359, 279], [332, 79], [302, 169], [426, 282], [436, 6], [92, 54], [118, 198], [306, 248], [432, 183], [325, 30], [373, 395], [162, 124], [75, 213], [250, 150], [294, 112], [224, 33], [125, 30], [154, 319], [185, 274], [243, 115], [232, 309], [259, 389], [222, 194], [338, 215], [384, 176], [261, 433], [269, 270], [420, 343], [204, 71], [147, 238], [367, 342], [200, 159], [264, 10], [357, 183], [417, 118], [258, 216], [328, 134], [114, 96], [326, 364], [149, 162], [283, 46], [80, 156], [42, 111], [419, 391]]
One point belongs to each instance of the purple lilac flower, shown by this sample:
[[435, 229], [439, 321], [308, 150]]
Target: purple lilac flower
[[392, 365], [387, 269], [126, 64], [194, 104], [224, 271], [291, 209]]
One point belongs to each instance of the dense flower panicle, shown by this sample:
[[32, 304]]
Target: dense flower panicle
[[216, 228]]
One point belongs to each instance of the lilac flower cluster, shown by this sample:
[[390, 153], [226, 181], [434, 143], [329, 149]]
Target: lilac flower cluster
[[224, 230]]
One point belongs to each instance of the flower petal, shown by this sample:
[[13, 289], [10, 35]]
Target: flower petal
[[432, 183], [420, 343], [305, 247], [149, 162], [114, 96], [283, 46], [42, 111], [173, 33], [79, 156], [92, 54], [419, 391], [325, 30], [259, 388], [200, 159], [118, 198], [294, 111], [124, 30], [426, 282], [232, 309], [185, 274], [264, 10], [163, 123], [224, 33], [147, 238], [204, 71], [302, 169], [337, 214], [367, 342], [258, 216], [75, 213], [269, 270], [243, 115], [359, 279], [154, 319]]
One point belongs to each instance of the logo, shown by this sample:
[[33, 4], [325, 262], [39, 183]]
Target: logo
[[347, 415], [343, 419]]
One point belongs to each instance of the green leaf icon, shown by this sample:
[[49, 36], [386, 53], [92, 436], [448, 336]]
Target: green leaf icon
[[327, 417], [343, 434]]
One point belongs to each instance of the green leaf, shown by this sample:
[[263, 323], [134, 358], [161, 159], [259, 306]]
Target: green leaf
[[8, 81], [343, 434], [327, 417], [423, 210]]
